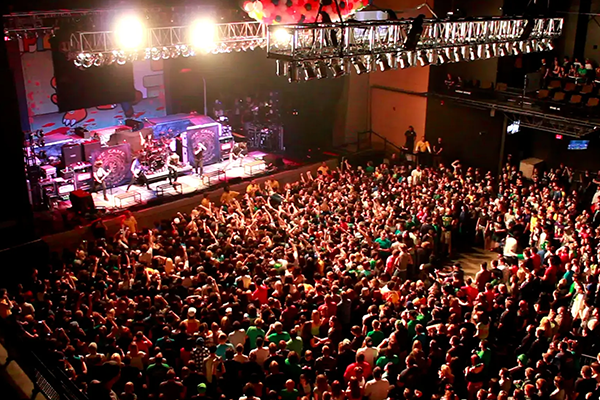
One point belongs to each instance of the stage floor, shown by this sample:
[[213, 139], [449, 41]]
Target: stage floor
[[190, 183]]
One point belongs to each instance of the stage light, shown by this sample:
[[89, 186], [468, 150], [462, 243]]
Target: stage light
[[175, 52], [488, 51], [293, 72], [121, 58], [309, 72], [383, 62], [403, 60], [432, 57], [129, 33], [110, 58], [321, 70], [444, 57], [203, 35], [282, 37], [79, 59], [422, 58], [501, 50], [165, 53], [529, 46], [549, 45], [359, 66], [88, 61], [99, 60], [517, 48], [185, 50], [472, 53], [337, 69], [282, 68], [155, 54]]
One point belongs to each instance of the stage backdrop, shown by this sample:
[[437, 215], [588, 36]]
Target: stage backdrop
[[209, 137], [40, 93], [116, 159]]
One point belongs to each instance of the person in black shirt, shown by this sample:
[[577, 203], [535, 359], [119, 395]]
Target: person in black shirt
[[409, 143]]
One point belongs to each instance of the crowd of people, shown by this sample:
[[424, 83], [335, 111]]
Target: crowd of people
[[334, 288]]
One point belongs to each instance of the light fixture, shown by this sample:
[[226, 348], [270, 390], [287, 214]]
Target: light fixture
[[501, 51], [472, 53], [281, 37], [165, 53], [383, 62], [309, 71], [517, 48], [321, 70], [79, 60], [337, 68], [185, 50], [403, 60], [203, 35], [359, 66], [488, 51], [422, 58], [282, 68], [121, 58], [529, 46], [88, 61], [175, 52], [155, 54], [98, 60], [129, 33], [444, 57], [293, 72]]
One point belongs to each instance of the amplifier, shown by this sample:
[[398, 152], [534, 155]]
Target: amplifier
[[134, 124], [64, 186], [81, 167], [49, 171], [67, 173], [83, 180], [90, 147], [71, 153], [48, 187]]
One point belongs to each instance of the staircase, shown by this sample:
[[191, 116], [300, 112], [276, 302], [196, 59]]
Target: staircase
[[369, 146]]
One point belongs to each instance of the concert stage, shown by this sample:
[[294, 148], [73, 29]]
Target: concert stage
[[214, 174]]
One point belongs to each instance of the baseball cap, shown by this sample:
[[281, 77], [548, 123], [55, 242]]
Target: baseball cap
[[200, 340], [522, 358], [201, 388], [191, 311]]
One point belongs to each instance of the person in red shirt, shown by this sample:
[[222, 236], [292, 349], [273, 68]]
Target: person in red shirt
[[360, 363], [261, 293]]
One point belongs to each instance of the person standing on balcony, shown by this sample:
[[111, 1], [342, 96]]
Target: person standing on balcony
[[423, 151], [409, 143]]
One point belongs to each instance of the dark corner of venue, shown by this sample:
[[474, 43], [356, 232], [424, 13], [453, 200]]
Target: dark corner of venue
[[300, 200]]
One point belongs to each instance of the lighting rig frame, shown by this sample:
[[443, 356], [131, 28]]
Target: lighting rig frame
[[88, 49], [371, 45]]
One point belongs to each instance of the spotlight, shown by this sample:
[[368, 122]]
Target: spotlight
[[121, 58], [383, 62], [282, 68], [155, 54], [282, 37], [403, 60], [432, 57], [414, 34], [456, 54], [165, 53], [337, 69], [359, 66], [549, 45], [444, 58], [99, 60], [293, 72], [488, 51], [321, 70], [110, 58], [422, 58], [203, 35], [472, 53], [185, 50], [129, 33], [517, 48], [175, 52], [79, 59], [529, 46], [88, 61], [309, 72], [501, 50]]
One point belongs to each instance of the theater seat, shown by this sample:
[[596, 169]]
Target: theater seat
[[559, 96], [543, 94], [575, 99], [501, 87]]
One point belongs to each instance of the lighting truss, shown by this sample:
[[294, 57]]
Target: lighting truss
[[173, 41], [352, 40]]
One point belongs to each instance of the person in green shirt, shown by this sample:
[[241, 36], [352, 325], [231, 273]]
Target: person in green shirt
[[387, 357], [295, 343], [277, 334], [255, 331], [290, 392], [376, 334], [485, 354], [412, 323]]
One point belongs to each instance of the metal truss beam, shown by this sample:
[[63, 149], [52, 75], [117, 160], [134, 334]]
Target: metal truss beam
[[533, 119], [228, 37], [309, 42]]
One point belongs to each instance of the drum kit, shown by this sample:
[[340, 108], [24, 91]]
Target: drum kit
[[154, 155]]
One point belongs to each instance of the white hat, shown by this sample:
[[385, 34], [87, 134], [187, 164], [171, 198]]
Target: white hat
[[191, 312], [228, 310]]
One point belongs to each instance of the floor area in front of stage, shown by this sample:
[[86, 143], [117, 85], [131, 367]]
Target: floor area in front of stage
[[190, 183]]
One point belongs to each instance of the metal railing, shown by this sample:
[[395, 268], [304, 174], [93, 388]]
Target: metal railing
[[366, 138], [48, 380]]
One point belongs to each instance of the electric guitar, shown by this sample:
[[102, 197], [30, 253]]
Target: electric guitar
[[101, 179]]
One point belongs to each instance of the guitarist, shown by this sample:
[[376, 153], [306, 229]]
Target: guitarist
[[138, 174], [199, 158], [173, 166], [100, 175]]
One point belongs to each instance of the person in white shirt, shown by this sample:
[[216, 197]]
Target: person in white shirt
[[238, 336], [377, 388], [510, 246], [260, 352], [368, 351]]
